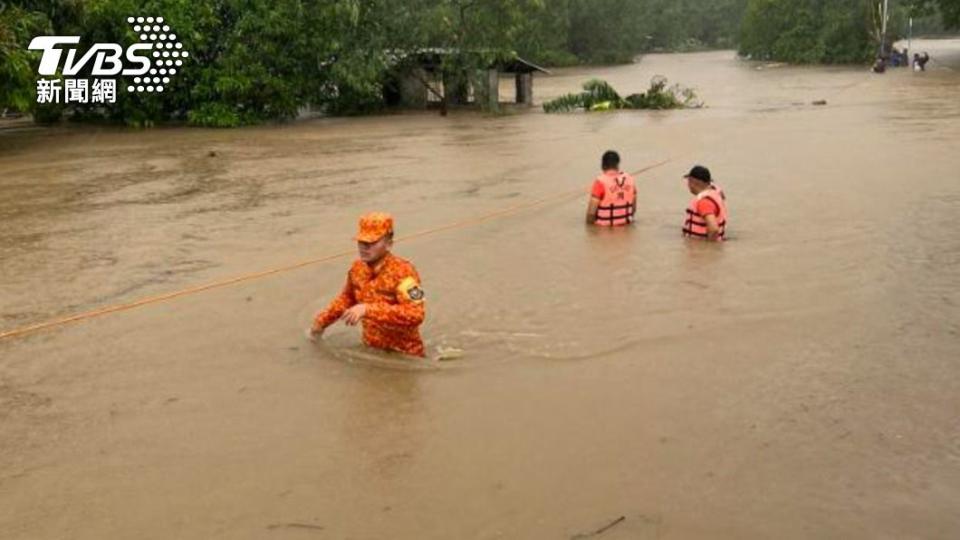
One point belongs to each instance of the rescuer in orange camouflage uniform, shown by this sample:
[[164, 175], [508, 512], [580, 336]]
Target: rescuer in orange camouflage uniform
[[382, 291]]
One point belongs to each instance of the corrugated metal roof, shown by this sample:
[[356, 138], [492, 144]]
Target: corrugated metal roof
[[432, 58]]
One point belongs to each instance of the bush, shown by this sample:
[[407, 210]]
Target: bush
[[17, 70]]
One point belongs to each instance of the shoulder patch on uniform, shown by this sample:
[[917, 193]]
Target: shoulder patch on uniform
[[409, 289]]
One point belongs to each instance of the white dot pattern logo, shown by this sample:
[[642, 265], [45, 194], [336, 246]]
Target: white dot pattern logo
[[153, 31]]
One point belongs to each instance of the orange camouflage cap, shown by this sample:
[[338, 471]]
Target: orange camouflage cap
[[374, 226]]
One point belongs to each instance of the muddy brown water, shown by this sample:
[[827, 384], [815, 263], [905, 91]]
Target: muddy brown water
[[801, 381]]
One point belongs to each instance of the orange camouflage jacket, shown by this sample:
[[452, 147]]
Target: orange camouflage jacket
[[394, 302]]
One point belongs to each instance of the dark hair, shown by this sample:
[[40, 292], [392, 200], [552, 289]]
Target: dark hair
[[701, 173], [610, 160]]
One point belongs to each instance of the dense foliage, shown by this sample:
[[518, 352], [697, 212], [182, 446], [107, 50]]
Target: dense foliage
[[256, 60], [947, 11], [808, 31], [834, 31], [17, 66]]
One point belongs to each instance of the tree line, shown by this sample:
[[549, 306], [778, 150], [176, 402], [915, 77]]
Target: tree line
[[258, 60], [835, 31]]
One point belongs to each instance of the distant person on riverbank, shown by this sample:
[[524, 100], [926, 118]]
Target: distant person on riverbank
[[899, 58], [920, 62], [382, 292], [707, 212], [895, 57], [880, 66], [613, 197]]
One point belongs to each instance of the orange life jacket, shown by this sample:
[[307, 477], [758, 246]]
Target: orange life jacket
[[695, 224], [617, 206]]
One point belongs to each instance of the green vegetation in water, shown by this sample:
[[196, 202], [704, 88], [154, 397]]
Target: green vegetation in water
[[598, 95]]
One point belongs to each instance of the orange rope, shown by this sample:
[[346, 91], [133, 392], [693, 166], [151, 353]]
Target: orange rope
[[257, 275]]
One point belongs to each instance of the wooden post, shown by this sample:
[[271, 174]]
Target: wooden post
[[456, 88], [528, 87], [525, 89], [493, 89]]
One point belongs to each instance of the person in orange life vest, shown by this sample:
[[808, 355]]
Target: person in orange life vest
[[707, 212], [613, 198], [382, 292]]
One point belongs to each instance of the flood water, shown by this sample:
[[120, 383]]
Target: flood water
[[800, 381]]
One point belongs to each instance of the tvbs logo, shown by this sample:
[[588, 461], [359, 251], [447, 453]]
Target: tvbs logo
[[151, 62]]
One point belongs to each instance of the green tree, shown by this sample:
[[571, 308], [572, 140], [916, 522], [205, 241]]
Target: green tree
[[808, 31], [17, 76], [692, 24], [948, 10], [605, 31]]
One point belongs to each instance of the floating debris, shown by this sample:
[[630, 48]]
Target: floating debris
[[445, 354], [601, 530], [598, 95]]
